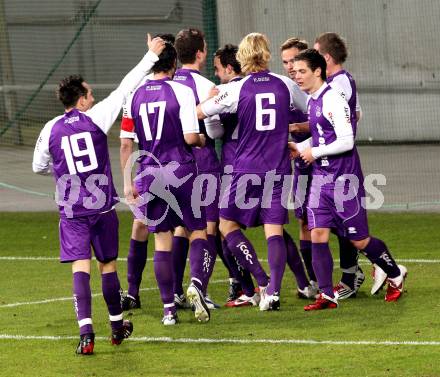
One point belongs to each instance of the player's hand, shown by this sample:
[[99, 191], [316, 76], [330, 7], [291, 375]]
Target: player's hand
[[293, 151], [294, 127], [155, 45], [307, 157], [213, 92], [202, 140], [131, 194]]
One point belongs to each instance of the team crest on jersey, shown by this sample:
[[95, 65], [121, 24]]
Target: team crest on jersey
[[318, 112]]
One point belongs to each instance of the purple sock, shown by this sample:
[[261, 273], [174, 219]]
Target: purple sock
[[238, 272], [179, 253], [294, 261], [112, 296], [136, 259], [219, 247], [163, 269], [323, 267], [212, 255], [305, 247], [199, 261], [243, 250], [82, 300], [277, 258], [377, 252]]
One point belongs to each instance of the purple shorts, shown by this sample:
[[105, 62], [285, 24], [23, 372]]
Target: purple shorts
[[348, 218], [246, 204], [212, 210], [301, 190], [100, 231], [167, 198]]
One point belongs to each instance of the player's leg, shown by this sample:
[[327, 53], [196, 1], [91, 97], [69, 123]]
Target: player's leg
[[296, 266], [242, 288], [180, 254], [211, 228], [377, 252], [352, 275], [277, 258], [305, 247], [104, 232], [136, 260], [75, 247], [163, 270], [243, 250], [199, 261], [323, 267], [82, 298]]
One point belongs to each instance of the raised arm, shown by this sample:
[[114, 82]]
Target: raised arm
[[105, 112]]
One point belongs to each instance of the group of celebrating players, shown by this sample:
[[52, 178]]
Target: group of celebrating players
[[265, 121]]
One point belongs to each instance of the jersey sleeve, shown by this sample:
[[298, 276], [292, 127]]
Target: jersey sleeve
[[42, 157], [336, 110], [187, 112], [225, 102], [298, 98], [105, 112], [341, 84]]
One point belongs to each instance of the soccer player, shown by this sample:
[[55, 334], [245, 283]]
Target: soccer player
[[228, 69], [334, 50], [337, 184], [76, 142], [137, 252], [191, 52], [164, 119], [262, 101], [307, 287]]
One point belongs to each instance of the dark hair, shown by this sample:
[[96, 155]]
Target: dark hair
[[334, 45], [166, 37], [167, 59], [70, 89], [228, 55], [300, 44], [188, 42], [314, 60]]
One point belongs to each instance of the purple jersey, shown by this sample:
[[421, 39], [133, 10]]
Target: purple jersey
[[329, 114], [206, 157], [344, 83], [230, 135], [162, 112], [76, 142], [81, 164], [262, 102]]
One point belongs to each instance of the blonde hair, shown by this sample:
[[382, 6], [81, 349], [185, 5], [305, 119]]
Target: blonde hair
[[254, 53]]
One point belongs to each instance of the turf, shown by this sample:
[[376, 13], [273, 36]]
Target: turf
[[366, 318]]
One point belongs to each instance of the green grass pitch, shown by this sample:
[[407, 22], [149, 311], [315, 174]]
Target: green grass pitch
[[415, 318]]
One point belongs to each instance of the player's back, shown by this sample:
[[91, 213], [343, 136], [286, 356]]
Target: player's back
[[263, 122], [206, 157], [163, 111], [80, 158]]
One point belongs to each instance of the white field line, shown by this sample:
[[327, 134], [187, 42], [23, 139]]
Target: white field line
[[234, 341], [49, 300], [362, 261]]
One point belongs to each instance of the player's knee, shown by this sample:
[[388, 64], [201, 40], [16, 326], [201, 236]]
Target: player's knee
[[227, 226], [139, 231], [197, 234], [211, 228], [361, 244], [106, 268]]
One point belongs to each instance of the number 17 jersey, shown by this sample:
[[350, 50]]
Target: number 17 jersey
[[162, 111]]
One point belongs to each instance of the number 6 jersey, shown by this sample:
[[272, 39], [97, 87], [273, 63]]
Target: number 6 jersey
[[263, 102]]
